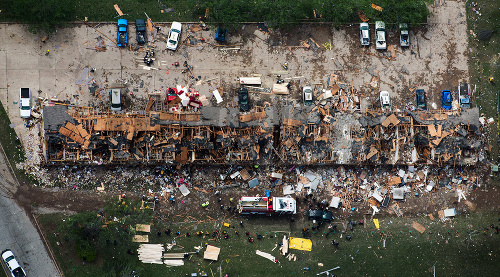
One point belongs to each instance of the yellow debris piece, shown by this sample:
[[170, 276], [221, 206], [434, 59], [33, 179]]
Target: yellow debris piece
[[300, 244]]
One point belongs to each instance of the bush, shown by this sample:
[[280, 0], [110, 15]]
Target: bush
[[86, 251]]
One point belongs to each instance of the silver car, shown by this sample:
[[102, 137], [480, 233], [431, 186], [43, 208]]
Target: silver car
[[116, 99], [308, 95]]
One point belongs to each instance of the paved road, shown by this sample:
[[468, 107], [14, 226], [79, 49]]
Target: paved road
[[18, 233]]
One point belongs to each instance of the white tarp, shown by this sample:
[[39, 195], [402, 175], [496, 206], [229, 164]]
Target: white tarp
[[398, 193], [450, 212], [287, 190], [217, 96], [184, 190], [335, 202], [377, 196]]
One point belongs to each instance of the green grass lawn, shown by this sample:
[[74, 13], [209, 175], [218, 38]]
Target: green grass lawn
[[12, 146], [103, 11], [406, 252], [484, 63]]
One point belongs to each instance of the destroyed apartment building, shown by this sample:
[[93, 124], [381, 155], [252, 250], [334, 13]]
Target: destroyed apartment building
[[288, 134]]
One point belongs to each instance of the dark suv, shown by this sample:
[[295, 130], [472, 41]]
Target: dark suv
[[140, 29], [320, 215], [421, 103], [243, 99]]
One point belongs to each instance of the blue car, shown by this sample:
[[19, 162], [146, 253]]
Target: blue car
[[446, 100], [122, 32]]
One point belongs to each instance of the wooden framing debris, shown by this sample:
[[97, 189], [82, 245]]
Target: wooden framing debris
[[118, 10]]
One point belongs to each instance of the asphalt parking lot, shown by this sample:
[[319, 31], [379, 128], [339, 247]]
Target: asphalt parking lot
[[435, 60]]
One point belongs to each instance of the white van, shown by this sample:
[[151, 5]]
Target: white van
[[116, 99]]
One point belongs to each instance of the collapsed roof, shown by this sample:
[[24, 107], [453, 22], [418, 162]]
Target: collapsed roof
[[290, 134]]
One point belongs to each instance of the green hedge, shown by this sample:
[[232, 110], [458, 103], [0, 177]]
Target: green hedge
[[46, 15]]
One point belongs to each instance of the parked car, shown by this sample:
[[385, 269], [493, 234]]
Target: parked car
[[220, 34], [364, 33], [421, 103], [380, 35], [463, 95], [404, 35], [446, 100], [320, 215], [116, 99], [385, 100], [174, 36], [243, 99], [122, 32], [25, 102], [140, 29], [12, 264], [307, 94]]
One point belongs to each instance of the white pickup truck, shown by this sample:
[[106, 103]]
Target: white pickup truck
[[25, 102], [380, 43]]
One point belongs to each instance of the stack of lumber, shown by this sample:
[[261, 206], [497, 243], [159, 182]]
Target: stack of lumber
[[151, 253]]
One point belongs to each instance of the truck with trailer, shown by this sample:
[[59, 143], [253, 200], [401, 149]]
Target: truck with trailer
[[267, 205]]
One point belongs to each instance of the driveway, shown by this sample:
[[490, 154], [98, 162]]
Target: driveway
[[18, 233]]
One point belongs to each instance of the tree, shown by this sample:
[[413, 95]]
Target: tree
[[43, 15]]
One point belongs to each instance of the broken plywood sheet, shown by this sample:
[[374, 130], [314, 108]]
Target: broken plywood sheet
[[252, 116], [140, 238], [281, 89], [212, 253], [378, 8], [292, 122], [432, 130], [430, 117], [244, 174], [418, 227], [471, 205], [392, 119], [373, 151], [394, 181], [395, 208], [284, 248], [143, 228], [303, 180], [118, 10], [391, 48]]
